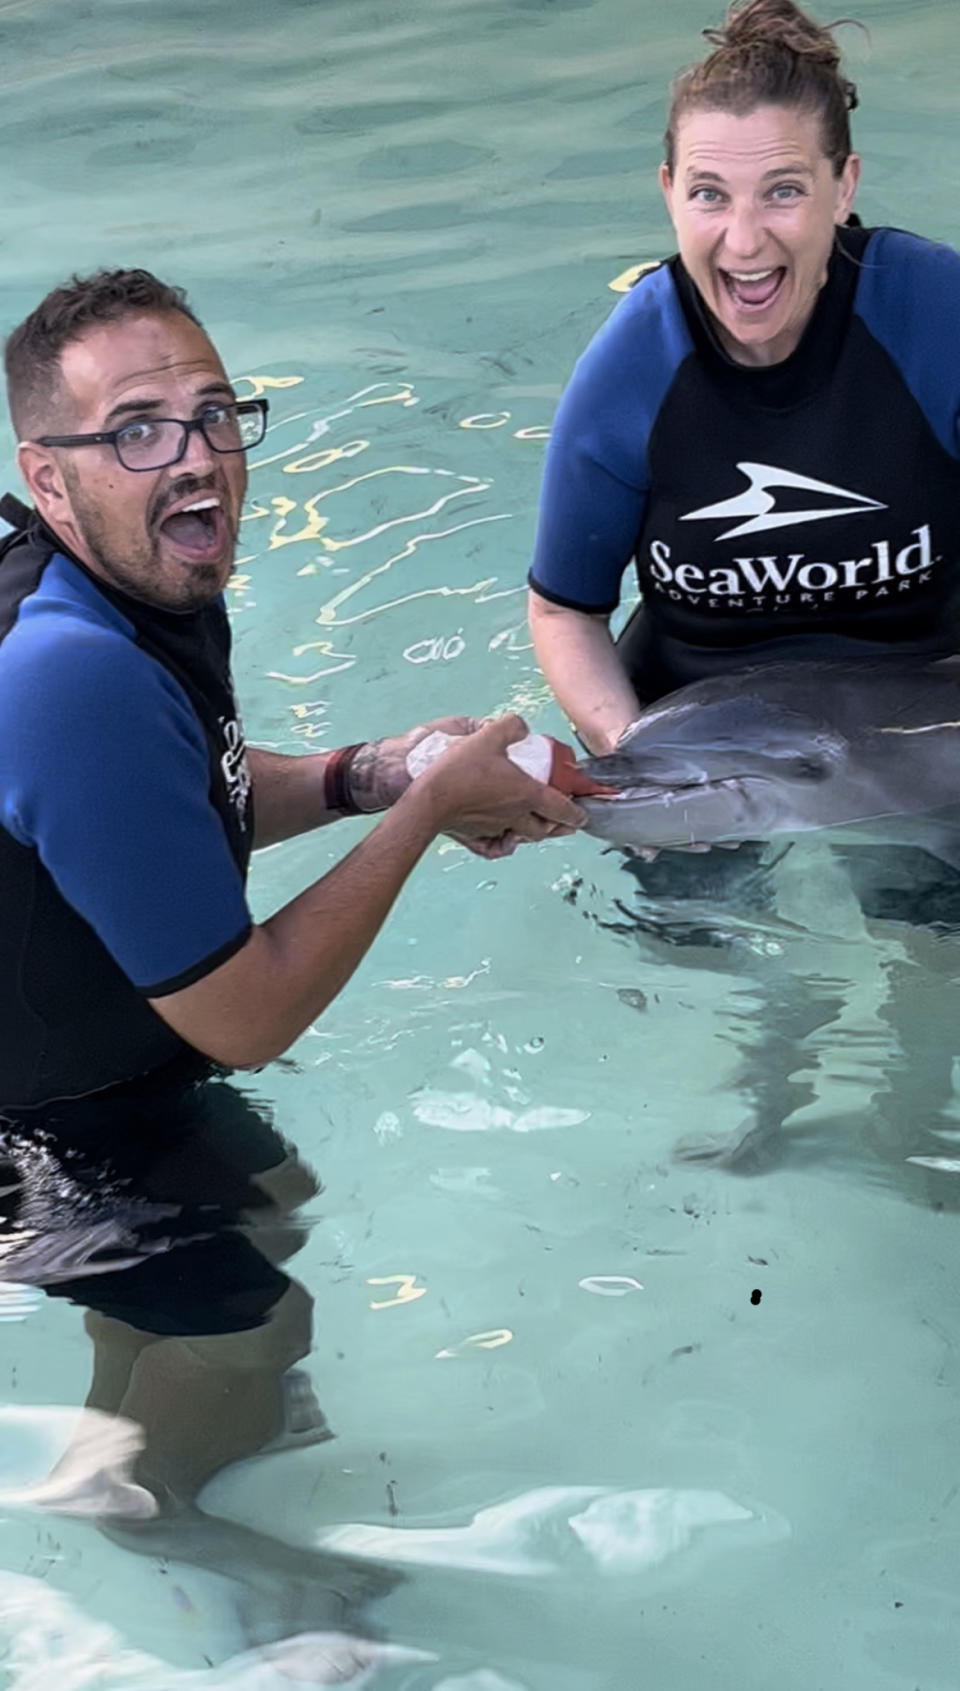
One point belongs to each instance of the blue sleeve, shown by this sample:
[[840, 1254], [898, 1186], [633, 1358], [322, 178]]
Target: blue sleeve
[[596, 474], [908, 296], [104, 770]]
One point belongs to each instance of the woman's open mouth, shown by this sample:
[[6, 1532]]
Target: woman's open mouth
[[197, 531], [754, 291]]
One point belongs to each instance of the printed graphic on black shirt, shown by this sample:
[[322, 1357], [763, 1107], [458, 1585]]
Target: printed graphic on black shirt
[[883, 565], [236, 768]]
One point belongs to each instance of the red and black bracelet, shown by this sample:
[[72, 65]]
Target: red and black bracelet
[[336, 781]]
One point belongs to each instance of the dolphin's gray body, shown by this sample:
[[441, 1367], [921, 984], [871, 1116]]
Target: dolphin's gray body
[[783, 748]]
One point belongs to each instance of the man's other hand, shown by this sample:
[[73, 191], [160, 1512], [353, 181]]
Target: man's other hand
[[485, 801], [378, 771]]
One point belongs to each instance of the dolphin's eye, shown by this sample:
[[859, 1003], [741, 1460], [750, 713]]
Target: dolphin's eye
[[808, 769]]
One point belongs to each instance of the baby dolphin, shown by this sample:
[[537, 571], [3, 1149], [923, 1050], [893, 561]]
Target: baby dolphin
[[782, 748]]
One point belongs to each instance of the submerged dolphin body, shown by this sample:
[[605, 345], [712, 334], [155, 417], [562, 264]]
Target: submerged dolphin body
[[784, 748]]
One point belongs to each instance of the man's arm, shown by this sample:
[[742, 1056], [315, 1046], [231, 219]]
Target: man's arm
[[577, 655], [250, 1008], [290, 792], [288, 795]]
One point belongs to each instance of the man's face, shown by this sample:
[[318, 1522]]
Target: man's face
[[128, 526]]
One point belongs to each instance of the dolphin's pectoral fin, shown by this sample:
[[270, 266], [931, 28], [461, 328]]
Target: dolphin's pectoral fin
[[913, 879], [943, 841], [752, 1148], [771, 863], [765, 1141]]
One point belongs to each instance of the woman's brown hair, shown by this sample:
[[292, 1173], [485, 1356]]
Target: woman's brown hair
[[769, 53]]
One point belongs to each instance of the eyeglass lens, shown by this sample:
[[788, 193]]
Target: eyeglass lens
[[151, 443]]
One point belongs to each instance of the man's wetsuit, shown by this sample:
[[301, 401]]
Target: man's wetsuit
[[815, 497], [125, 823]]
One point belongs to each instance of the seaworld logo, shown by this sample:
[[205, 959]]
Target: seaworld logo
[[758, 504], [871, 576]]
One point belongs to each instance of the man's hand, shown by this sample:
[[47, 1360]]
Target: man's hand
[[482, 798], [502, 845], [378, 775], [378, 772]]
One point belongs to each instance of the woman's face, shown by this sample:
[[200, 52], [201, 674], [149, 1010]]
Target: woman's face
[[754, 202]]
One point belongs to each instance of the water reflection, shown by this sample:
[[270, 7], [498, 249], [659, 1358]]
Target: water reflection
[[167, 1214], [53, 1641], [654, 1533], [847, 961]]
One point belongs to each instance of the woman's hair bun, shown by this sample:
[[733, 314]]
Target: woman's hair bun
[[778, 24], [769, 52]]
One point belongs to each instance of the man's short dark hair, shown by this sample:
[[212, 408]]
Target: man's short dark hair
[[33, 351]]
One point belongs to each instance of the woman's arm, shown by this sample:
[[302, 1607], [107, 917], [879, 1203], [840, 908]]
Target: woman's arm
[[578, 658]]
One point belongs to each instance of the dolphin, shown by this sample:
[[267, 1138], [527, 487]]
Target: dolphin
[[871, 746]]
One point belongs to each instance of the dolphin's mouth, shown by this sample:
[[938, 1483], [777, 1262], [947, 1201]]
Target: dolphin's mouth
[[660, 791]]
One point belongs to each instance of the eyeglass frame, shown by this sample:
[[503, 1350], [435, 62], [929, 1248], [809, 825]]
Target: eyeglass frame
[[105, 437]]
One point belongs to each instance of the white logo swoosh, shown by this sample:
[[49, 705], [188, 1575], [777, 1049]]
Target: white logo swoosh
[[757, 503]]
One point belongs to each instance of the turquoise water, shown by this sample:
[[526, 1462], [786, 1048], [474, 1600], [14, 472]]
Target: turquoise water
[[599, 1462]]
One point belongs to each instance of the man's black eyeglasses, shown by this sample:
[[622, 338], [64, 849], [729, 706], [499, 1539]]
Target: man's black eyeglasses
[[151, 443]]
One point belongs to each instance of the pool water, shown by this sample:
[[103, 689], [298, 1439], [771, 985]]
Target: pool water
[[635, 1265]]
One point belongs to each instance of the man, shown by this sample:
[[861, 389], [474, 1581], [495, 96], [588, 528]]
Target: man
[[128, 803], [129, 964]]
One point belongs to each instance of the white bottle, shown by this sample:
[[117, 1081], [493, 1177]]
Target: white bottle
[[533, 754], [538, 755]]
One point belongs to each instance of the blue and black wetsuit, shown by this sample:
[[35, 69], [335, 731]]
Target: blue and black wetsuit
[[762, 506], [125, 832], [125, 822]]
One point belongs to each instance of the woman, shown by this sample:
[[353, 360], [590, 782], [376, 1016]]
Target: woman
[[767, 423]]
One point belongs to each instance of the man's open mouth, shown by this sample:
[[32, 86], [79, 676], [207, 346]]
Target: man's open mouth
[[197, 530], [753, 290]]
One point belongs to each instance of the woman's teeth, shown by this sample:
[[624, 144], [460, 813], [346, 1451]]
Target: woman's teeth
[[754, 288]]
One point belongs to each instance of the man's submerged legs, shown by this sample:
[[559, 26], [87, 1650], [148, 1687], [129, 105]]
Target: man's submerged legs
[[195, 1330]]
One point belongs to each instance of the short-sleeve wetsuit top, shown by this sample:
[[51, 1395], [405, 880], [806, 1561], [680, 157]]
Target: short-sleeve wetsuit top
[[815, 497], [125, 822]]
